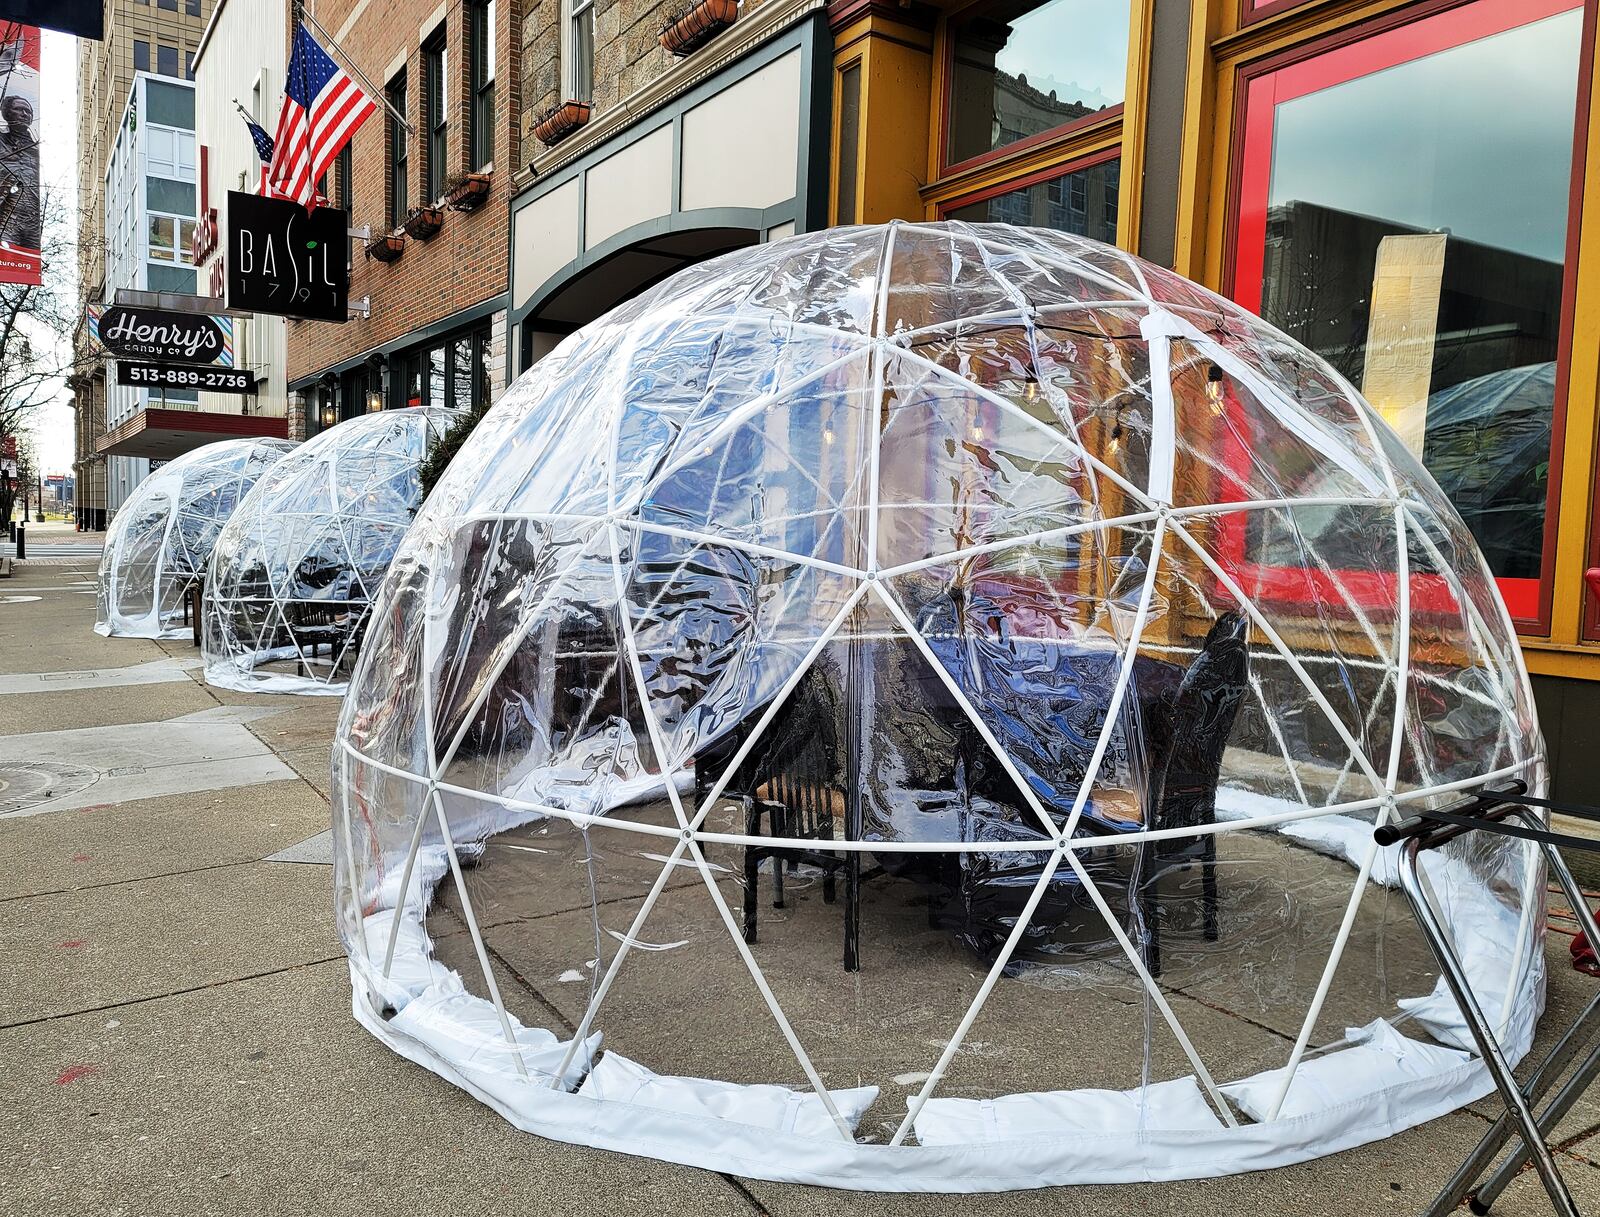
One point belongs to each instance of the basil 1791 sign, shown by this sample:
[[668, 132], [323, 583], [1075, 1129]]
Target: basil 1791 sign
[[152, 333], [283, 260]]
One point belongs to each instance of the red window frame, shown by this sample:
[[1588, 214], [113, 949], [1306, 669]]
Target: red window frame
[[947, 79], [1347, 57], [1259, 10]]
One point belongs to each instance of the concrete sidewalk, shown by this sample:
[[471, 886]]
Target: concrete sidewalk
[[175, 1030]]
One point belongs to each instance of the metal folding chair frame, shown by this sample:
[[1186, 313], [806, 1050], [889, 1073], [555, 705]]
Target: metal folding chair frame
[[1488, 811]]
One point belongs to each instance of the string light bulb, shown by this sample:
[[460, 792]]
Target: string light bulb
[[1215, 388]]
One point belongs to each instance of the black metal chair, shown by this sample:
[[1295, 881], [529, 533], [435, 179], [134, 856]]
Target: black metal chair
[[1185, 791]]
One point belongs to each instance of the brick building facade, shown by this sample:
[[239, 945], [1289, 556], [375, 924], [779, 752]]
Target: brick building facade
[[444, 289]]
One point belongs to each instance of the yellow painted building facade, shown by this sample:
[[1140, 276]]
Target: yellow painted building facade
[[1399, 185]]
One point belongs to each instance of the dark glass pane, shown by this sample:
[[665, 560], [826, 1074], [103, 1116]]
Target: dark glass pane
[[461, 365], [434, 114], [1083, 203], [849, 142], [583, 55], [1435, 285], [167, 60], [398, 168], [170, 5], [1020, 69], [482, 381], [141, 56], [436, 382], [169, 105]]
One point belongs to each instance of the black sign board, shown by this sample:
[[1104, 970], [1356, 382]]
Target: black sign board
[[153, 333], [85, 18], [185, 376], [284, 260]]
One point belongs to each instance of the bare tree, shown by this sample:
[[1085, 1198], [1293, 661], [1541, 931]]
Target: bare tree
[[36, 330]]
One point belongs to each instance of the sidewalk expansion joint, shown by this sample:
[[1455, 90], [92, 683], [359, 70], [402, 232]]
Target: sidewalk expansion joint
[[166, 874], [139, 1001]]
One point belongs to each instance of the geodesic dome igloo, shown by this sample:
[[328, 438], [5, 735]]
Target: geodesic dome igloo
[[160, 539], [906, 708], [294, 572]]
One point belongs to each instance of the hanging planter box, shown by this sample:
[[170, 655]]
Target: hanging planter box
[[424, 222], [689, 29], [467, 192], [561, 122], [386, 247]]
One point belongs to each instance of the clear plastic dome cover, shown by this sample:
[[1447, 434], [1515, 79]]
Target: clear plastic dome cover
[[160, 539], [906, 708], [295, 570]]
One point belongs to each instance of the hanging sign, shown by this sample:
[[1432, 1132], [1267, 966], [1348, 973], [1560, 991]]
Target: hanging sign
[[21, 220], [184, 376], [153, 333], [282, 259]]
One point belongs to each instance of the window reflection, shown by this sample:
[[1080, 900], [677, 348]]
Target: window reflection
[[1415, 237], [1021, 69], [1083, 203]]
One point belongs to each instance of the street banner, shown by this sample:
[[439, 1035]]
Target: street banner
[[185, 376], [157, 334], [283, 260], [21, 229]]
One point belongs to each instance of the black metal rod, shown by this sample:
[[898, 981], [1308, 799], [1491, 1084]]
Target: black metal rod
[[1482, 1030]]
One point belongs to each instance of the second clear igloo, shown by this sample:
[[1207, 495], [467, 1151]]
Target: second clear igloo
[[295, 570], [160, 539]]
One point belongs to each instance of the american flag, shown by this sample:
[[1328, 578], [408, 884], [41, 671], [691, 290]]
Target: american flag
[[263, 143], [322, 107]]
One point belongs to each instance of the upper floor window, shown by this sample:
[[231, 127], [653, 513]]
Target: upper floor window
[[436, 111], [1020, 69], [170, 5], [169, 152], [399, 159], [344, 187], [480, 59], [192, 7], [141, 56], [167, 60], [170, 239], [578, 65]]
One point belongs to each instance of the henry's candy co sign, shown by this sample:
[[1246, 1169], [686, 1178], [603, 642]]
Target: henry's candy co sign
[[155, 334]]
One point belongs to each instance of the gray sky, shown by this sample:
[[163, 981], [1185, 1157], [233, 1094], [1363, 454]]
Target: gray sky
[[58, 71]]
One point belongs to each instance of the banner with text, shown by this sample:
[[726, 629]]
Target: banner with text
[[21, 224]]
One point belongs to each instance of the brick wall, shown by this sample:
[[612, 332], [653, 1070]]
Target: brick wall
[[466, 263], [627, 55]]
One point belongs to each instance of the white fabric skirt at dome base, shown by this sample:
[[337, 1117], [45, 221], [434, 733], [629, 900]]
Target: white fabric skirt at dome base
[[1381, 1084]]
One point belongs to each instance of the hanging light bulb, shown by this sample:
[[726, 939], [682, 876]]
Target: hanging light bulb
[[1215, 389], [827, 435]]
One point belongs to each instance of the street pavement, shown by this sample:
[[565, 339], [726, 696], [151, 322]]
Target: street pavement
[[175, 1029]]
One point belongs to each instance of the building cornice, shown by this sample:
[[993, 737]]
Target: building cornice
[[754, 27]]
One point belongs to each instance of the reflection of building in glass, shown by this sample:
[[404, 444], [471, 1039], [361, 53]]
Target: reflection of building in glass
[[1083, 203], [1498, 312]]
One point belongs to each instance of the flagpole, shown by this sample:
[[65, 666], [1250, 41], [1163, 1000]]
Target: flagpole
[[334, 46]]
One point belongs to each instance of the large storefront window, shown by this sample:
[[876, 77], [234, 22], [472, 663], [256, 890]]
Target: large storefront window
[[453, 371], [1082, 201], [1403, 212], [1020, 70]]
